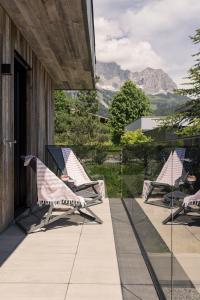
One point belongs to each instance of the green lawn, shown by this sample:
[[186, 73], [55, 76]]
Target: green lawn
[[111, 173], [121, 180]]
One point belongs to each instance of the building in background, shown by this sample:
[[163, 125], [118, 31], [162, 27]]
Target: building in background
[[145, 124]]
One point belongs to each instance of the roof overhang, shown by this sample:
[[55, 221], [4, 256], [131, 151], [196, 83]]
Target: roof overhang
[[61, 33]]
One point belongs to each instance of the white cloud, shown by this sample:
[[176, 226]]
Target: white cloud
[[112, 44], [145, 33], [161, 16]]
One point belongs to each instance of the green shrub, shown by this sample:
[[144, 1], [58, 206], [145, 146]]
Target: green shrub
[[135, 137]]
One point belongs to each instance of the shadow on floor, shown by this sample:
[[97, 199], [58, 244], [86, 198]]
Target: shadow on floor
[[12, 237]]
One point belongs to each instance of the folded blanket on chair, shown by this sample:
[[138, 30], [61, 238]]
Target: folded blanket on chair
[[192, 200], [51, 189]]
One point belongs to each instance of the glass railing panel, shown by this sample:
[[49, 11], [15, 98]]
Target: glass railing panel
[[141, 164], [100, 163], [169, 234], [170, 243], [103, 163], [184, 222]]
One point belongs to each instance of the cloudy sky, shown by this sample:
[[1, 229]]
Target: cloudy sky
[[147, 33]]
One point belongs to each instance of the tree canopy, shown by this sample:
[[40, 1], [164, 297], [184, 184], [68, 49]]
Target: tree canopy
[[75, 120], [187, 120], [128, 105]]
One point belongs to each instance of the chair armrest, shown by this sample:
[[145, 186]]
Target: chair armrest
[[181, 180], [158, 184], [86, 185]]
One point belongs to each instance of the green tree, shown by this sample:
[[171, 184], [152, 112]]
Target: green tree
[[128, 105], [62, 104], [194, 76], [88, 101], [75, 120], [187, 120]]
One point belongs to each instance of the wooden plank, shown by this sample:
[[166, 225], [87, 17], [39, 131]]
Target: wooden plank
[[7, 127], [39, 114]]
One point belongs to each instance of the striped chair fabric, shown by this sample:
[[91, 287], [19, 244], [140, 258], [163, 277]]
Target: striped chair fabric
[[51, 189], [171, 171], [74, 168]]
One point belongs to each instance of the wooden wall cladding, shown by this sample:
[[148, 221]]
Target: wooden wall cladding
[[39, 108]]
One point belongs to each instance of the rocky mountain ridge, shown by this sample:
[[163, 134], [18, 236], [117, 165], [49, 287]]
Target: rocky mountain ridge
[[152, 81]]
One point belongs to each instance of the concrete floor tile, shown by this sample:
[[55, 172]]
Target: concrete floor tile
[[41, 265], [95, 269], [98, 247], [94, 291], [100, 230], [56, 231], [52, 244], [35, 269], [191, 264], [32, 291]]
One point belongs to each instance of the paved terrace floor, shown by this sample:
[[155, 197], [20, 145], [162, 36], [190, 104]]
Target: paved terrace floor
[[185, 241], [72, 260]]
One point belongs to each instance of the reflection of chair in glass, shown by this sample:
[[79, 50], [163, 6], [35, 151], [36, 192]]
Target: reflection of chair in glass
[[52, 192], [170, 177], [68, 163], [188, 201]]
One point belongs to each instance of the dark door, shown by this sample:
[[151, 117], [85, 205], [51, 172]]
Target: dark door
[[19, 135]]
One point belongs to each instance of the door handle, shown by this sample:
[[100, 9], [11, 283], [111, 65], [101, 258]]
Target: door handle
[[10, 142]]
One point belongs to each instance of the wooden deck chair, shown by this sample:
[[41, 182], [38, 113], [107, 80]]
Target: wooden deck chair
[[170, 176], [186, 207], [52, 192], [68, 163]]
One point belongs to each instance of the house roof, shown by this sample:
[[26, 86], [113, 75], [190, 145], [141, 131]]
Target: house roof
[[144, 123], [61, 33]]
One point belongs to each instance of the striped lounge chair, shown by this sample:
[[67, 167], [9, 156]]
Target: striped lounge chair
[[170, 176], [68, 163], [54, 193]]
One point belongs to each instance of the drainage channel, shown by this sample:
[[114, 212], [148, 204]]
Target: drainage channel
[[137, 278]]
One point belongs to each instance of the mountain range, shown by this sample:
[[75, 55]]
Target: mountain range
[[154, 82]]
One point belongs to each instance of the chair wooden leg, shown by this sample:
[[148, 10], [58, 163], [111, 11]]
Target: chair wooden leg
[[91, 215], [173, 216], [49, 214], [97, 219], [49, 218], [149, 194]]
